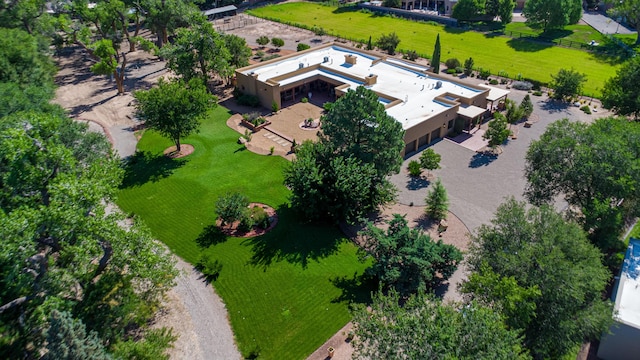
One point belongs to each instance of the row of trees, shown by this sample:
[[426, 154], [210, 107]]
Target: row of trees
[[73, 283], [477, 10]]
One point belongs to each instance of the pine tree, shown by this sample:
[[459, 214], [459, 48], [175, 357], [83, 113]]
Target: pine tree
[[67, 339], [435, 59], [527, 106], [437, 202], [369, 44]]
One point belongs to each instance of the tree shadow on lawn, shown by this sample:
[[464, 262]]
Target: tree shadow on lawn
[[210, 235], [293, 241], [528, 45], [355, 289], [144, 166]]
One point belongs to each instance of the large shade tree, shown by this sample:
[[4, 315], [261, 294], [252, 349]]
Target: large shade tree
[[61, 251], [344, 175], [556, 271], [595, 167], [174, 108], [358, 125], [552, 14], [426, 328], [198, 52], [621, 93]]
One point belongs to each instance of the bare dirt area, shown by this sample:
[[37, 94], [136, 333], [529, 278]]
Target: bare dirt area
[[192, 309]]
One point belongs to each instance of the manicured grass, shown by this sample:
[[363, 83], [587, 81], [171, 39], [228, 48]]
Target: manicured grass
[[287, 291], [496, 53], [635, 233], [577, 33]]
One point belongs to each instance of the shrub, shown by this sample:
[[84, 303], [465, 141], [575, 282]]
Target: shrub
[[537, 85], [304, 100], [411, 55], [303, 46], [451, 71], [259, 217], [484, 74], [262, 40], [209, 267], [522, 85], [246, 222], [260, 54], [493, 82], [230, 207], [452, 63], [414, 168], [586, 109], [437, 202], [248, 100], [277, 42], [271, 150], [537, 93], [459, 70], [274, 106], [254, 118]]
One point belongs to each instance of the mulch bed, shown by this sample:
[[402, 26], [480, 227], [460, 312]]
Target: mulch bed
[[232, 229], [185, 150]]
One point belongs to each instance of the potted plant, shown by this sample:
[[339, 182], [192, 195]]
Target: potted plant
[[331, 351]]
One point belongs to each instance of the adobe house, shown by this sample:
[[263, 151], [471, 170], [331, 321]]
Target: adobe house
[[426, 104]]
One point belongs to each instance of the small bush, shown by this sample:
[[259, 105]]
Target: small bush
[[230, 207], [259, 217], [451, 71], [484, 74], [493, 82], [452, 63], [586, 109], [522, 85], [537, 93], [248, 100], [303, 46], [411, 55], [209, 267], [260, 54], [304, 100], [254, 118], [537, 85], [414, 168], [246, 222], [459, 70], [271, 150], [274, 106], [262, 40]]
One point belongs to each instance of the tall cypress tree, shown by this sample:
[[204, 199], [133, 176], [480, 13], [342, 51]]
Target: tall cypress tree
[[435, 59]]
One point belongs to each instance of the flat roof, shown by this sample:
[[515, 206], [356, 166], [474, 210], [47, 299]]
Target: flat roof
[[219, 10], [470, 111], [627, 296], [494, 92], [406, 81]]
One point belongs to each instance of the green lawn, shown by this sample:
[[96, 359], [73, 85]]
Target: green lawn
[[287, 291], [577, 33], [496, 53]]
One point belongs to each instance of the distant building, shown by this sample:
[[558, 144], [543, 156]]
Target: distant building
[[624, 341], [426, 104]]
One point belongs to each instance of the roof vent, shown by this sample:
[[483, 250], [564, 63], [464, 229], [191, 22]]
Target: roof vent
[[326, 59], [438, 84], [300, 65]]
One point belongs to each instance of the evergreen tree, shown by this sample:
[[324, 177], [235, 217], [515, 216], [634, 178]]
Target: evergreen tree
[[437, 201], [526, 106], [435, 59], [369, 44], [497, 133], [407, 259], [67, 339]]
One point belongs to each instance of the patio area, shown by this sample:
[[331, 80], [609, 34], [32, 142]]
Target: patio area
[[286, 126]]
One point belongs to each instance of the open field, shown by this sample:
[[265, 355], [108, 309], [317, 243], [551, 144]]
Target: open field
[[514, 56], [286, 291]]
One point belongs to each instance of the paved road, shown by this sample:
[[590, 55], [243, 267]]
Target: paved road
[[605, 24]]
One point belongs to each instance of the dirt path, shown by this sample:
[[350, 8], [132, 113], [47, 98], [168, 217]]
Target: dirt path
[[192, 308]]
